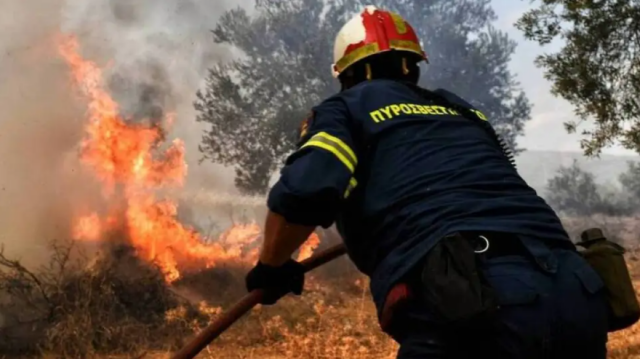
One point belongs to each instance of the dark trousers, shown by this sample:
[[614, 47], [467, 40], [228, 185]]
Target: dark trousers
[[552, 305]]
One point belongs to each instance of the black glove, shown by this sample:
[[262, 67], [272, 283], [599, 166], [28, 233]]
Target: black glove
[[276, 281]]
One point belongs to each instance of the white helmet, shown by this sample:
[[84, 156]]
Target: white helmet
[[371, 32]]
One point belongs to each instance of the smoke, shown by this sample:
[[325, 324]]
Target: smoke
[[159, 52], [40, 125], [156, 53]]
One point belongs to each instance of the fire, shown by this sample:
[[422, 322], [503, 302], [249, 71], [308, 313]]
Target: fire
[[127, 159], [308, 247], [88, 228], [121, 152]]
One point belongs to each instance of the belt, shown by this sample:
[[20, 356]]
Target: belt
[[486, 244], [495, 244]]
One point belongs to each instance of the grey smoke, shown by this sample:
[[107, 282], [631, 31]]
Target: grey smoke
[[160, 51], [154, 52], [143, 98]]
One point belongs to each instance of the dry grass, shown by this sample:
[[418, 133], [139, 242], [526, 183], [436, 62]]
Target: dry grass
[[118, 307], [346, 327], [73, 308], [626, 343]]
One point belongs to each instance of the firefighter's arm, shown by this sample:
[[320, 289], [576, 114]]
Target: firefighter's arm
[[314, 183], [281, 239]]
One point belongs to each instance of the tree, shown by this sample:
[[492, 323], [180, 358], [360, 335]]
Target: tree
[[630, 181], [598, 68], [254, 104], [575, 192]]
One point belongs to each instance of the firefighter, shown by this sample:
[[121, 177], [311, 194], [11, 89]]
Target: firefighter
[[464, 258]]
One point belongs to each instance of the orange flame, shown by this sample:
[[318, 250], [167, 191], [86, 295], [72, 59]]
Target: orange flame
[[127, 160], [121, 152], [88, 228], [308, 247]]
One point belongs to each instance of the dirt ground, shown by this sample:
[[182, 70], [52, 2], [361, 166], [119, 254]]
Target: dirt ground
[[118, 307]]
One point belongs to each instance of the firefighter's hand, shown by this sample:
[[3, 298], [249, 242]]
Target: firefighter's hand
[[276, 281]]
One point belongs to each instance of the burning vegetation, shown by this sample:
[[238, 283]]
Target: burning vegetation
[[115, 300], [134, 168], [153, 282]]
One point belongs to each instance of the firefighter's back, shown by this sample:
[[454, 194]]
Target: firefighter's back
[[427, 171], [429, 184]]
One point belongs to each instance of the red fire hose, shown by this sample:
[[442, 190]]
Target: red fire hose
[[222, 323]]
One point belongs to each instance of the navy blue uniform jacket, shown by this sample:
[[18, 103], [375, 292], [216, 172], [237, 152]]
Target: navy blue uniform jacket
[[397, 173]]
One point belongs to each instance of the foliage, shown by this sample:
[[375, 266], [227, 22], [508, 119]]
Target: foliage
[[630, 181], [575, 192], [598, 67], [254, 104]]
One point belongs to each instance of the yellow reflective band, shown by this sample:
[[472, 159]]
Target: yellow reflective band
[[357, 55], [336, 146], [352, 184], [333, 150], [340, 143], [401, 26], [406, 45]]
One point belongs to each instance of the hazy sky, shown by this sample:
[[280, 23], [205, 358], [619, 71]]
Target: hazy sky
[[545, 130]]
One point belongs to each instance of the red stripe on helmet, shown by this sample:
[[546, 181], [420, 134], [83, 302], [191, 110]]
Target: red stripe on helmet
[[381, 29], [376, 25]]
